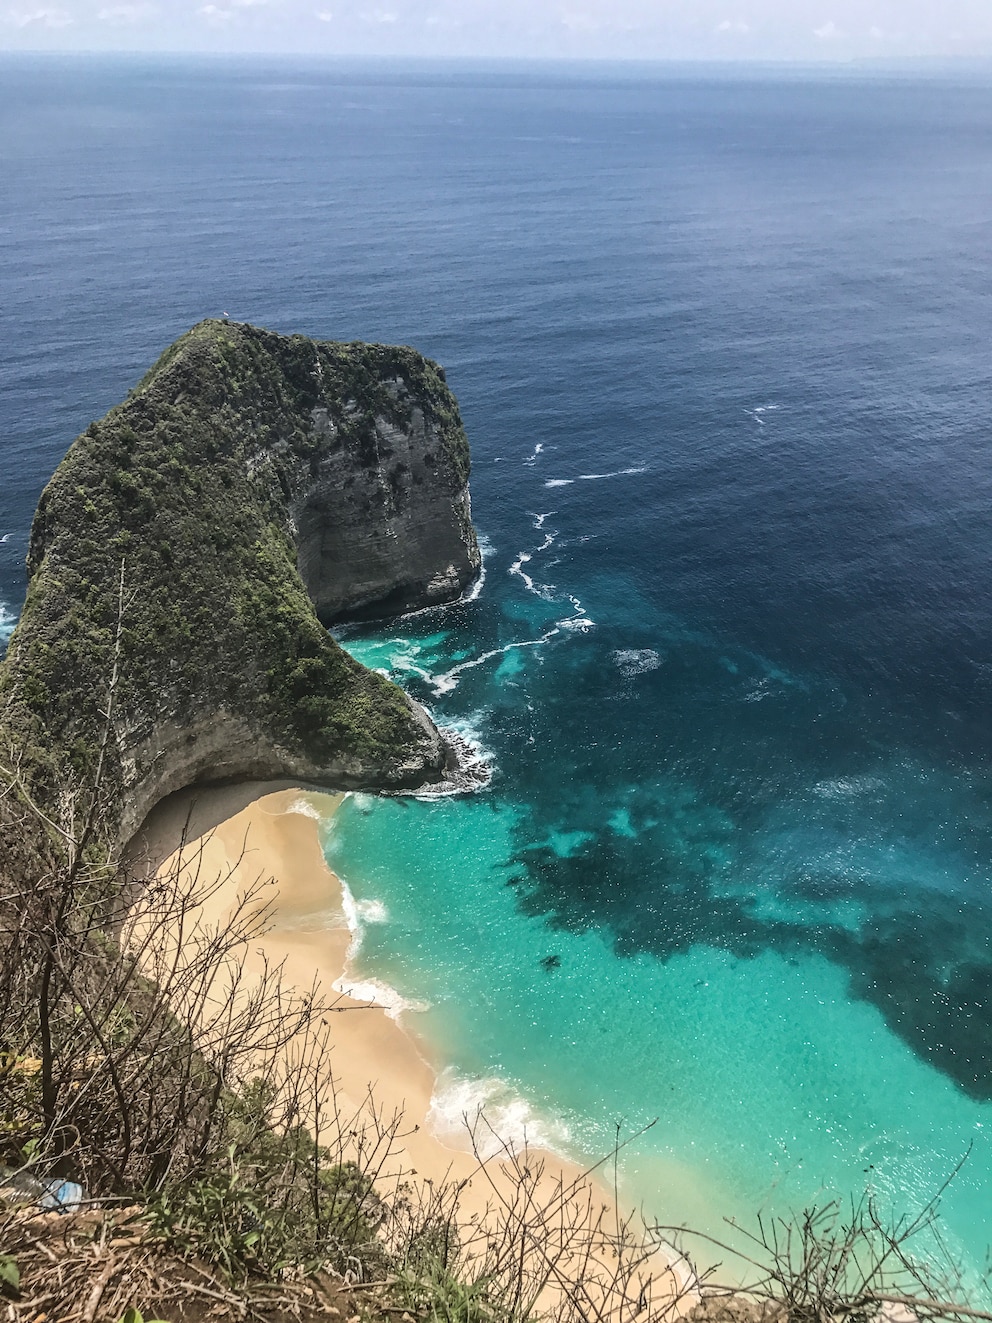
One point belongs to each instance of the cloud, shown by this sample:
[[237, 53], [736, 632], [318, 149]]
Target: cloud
[[118, 14], [324, 15], [382, 16], [45, 18], [728, 26], [214, 15], [828, 32]]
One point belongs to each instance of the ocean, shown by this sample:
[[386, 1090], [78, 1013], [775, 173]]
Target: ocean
[[721, 342]]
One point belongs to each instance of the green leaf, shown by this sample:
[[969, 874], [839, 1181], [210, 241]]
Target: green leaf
[[10, 1274], [132, 1315]]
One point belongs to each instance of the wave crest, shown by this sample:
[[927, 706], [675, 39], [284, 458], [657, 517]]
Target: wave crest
[[488, 1116]]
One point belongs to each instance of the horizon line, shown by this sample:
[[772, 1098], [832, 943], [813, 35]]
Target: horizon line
[[379, 57]]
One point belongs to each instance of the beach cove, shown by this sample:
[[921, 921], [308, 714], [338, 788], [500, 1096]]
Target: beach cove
[[247, 835]]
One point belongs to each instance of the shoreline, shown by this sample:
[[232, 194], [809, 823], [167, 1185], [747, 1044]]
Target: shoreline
[[243, 834]]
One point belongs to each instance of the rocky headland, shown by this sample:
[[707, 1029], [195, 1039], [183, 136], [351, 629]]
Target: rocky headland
[[188, 555]]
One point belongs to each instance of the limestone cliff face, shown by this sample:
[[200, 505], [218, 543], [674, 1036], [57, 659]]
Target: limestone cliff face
[[390, 533], [191, 548]]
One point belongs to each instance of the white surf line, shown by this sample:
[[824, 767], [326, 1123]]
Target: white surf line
[[407, 664], [518, 568], [357, 915], [760, 409], [620, 473], [444, 684], [473, 592], [595, 477], [544, 590], [579, 622]]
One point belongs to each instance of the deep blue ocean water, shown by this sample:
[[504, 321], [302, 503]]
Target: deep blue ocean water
[[721, 342]]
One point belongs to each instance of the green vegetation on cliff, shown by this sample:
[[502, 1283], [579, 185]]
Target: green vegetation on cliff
[[167, 630]]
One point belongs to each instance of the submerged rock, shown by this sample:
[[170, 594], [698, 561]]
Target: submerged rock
[[190, 551]]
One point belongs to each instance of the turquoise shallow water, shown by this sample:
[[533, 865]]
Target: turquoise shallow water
[[764, 1086]]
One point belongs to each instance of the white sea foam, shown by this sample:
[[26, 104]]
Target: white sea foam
[[540, 518], [531, 460], [474, 763], [759, 691], [542, 590], [620, 473], [358, 914], [636, 661], [517, 567], [404, 660], [7, 622], [444, 684], [375, 993], [372, 911], [848, 787], [470, 728], [596, 477], [474, 590], [305, 809], [353, 919], [756, 413], [489, 1116], [579, 622]]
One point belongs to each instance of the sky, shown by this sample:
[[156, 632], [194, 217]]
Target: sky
[[833, 30]]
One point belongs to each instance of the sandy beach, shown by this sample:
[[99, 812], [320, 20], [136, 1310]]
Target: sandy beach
[[250, 833]]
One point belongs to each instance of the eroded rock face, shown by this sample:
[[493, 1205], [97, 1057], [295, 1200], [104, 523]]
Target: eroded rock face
[[391, 533], [189, 552]]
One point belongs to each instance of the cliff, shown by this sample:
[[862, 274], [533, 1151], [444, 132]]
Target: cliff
[[192, 547]]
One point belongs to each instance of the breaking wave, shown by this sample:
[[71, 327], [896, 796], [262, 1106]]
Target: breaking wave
[[595, 477], [488, 1116]]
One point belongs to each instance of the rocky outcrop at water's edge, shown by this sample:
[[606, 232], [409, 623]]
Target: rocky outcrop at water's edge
[[189, 553]]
